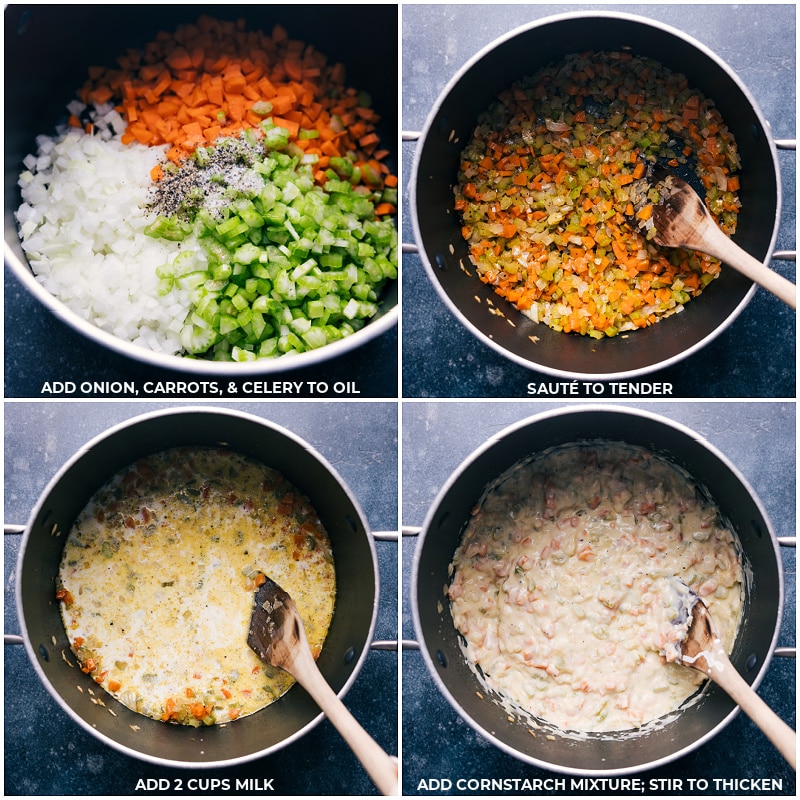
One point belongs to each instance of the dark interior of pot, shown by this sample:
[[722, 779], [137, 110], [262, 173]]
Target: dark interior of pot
[[351, 628], [48, 50], [444, 250], [596, 754]]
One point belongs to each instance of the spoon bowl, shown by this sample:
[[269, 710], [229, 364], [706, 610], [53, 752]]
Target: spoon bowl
[[682, 220], [277, 636], [700, 648]]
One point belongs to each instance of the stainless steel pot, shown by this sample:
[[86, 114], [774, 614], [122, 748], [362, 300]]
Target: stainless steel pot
[[43, 633], [437, 229], [38, 89], [441, 533]]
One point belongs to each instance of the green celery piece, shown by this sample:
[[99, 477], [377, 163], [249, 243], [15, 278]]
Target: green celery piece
[[291, 265]]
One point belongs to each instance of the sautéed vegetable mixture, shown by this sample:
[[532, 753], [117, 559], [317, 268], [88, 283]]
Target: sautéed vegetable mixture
[[546, 191]]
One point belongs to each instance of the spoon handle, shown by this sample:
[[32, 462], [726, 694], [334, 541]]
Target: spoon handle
[[380, 766], [722, 672], [719, 245]]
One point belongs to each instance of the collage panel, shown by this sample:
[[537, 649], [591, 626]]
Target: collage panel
[[208, 193], [509, 641], [64, 734], [485, 316]]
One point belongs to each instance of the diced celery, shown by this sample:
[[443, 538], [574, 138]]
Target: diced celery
[[261, 107], [291, 265], [246, 254], [315, 337], [315, 309], [351, 309], [227, 324]]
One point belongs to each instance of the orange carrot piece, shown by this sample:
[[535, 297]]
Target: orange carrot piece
[[212, 133], [102, 94], [179, 59], [216, 95], [200, 83], [236, 107], [282, 103], [369, 139], [290, 125], [234, 82]]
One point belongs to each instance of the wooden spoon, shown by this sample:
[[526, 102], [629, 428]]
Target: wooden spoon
[[702, 649], [682, 220], [278, 637]]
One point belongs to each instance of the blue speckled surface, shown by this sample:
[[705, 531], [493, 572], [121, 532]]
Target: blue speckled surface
[[443, 359], [48, 754], [758, 438]]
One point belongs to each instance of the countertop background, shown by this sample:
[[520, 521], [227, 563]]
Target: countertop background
[[46, 753], [755, 356], [758, 438]]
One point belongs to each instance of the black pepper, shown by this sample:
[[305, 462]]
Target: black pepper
[[209, 179]]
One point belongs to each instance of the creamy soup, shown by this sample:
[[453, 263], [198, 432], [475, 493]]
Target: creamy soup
[[159, 573], [563, 585]]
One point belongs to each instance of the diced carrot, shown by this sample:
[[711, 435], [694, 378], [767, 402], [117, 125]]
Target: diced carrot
[[290, 125], [294, 68], [369, 140], [142, 134], [179, 59], [236, 107], [509, 230], [234, 83], [212, 133], [170, 710], [191, 87], [585, 552], [100, 95]]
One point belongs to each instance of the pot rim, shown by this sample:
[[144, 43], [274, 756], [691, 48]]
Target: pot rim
[[26, 639], [459, 75], [427, 524], [387, 318]]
